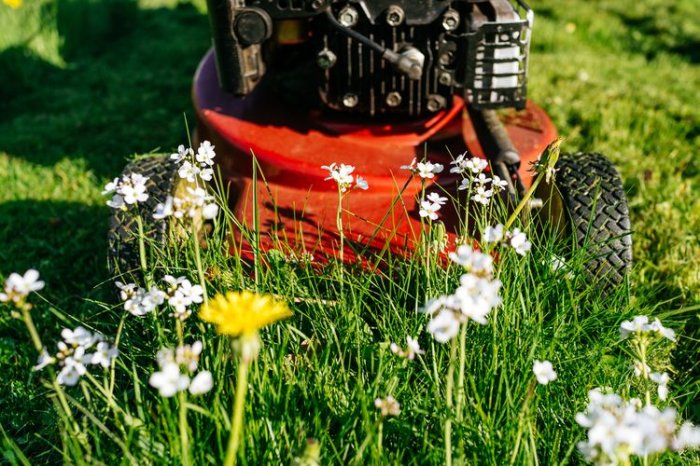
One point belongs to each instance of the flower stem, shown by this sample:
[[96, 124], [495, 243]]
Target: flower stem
[[448, 401], [184, 436], [29, 323], [460, 377], [198, 264], [142, 251], [237, 417]]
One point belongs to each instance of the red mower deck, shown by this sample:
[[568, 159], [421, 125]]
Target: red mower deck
[[297, 207]]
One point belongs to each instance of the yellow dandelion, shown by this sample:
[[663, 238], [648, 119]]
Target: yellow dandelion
[[14, 4], [242, 313]]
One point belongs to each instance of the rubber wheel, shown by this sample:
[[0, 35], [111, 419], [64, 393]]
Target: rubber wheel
[[123, 229], [588, 202]]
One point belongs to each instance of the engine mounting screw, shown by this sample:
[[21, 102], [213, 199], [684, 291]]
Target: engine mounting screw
[[326, 59], [316, 4], [394, 15], [393, 99], [350, 100], [348, 16], [445, 79], [450, 20], [446, 58], [435, 102]]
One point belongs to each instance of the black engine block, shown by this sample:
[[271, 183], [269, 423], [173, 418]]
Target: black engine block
[[375, 57]]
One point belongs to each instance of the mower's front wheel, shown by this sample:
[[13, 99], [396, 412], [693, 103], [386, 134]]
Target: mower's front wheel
[[163, 181], [587, 201]]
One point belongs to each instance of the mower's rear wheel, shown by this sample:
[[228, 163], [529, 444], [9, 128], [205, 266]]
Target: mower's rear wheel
[[163, 181], [587, 201]]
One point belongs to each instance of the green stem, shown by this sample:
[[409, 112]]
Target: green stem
[[29, 323], [380, 433], [237, 417], [460, 377], [523, 202], [113, 364], [448, 398], [198, 264], [142, 252], [184, 435]]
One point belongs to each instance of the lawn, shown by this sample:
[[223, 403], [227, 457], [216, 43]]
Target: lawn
[[77, 101]]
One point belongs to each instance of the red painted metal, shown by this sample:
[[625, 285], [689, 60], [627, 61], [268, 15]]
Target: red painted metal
[[297, 206]]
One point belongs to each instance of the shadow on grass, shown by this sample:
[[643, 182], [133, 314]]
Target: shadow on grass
[[123, 97], [67, 243]]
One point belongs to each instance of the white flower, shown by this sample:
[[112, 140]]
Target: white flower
[[492, 234], [498, 184], [71, 372], [476, 165], [104, 354], [201, 383], [638, 324], [164, 210], [465, 184], [444, 326], [341, 174], [207, 174], [411, 167], [182, 154], [482, 195], [656, 326], [688, 436], [428, 170], [435, 198], [429, 209], [188, 355], [126, 291], [544, 372], [388, 406], [477, 296], [210, 211], [111, 187], [474, 261], [133, 188], [143, 302], [18, 287], [662, 380], [410, 352], [188, 172], [117, 202], [205, 153], [519, 242], [361, 183], [641, 369], [79, 337], [482, 179], [44, 360], [169, 380]]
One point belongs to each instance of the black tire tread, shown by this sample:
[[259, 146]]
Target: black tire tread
[[594, 197]]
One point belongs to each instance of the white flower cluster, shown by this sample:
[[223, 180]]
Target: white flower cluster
[[195, 201], [176, 367], [180, 294], [342, 174], [388, 406], [474, 299], [515, 238], [472, 169], [430, 206], [127, 190], [411, 350], [17, 287], [619, 429], [193, 166], [79, 348], [426, 170], [640, 326]]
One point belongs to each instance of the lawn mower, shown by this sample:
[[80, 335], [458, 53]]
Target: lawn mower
[[293, 85]]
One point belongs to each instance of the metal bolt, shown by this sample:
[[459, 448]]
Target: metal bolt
[[326, 59], [316, 4], [393, 99], [446, 58], [450, 20], [535, 203], [435, 102], [394, 15], [348, 16], [350, 100], [445, 79]]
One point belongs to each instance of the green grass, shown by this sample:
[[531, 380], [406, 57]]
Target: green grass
[[623, 81]]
